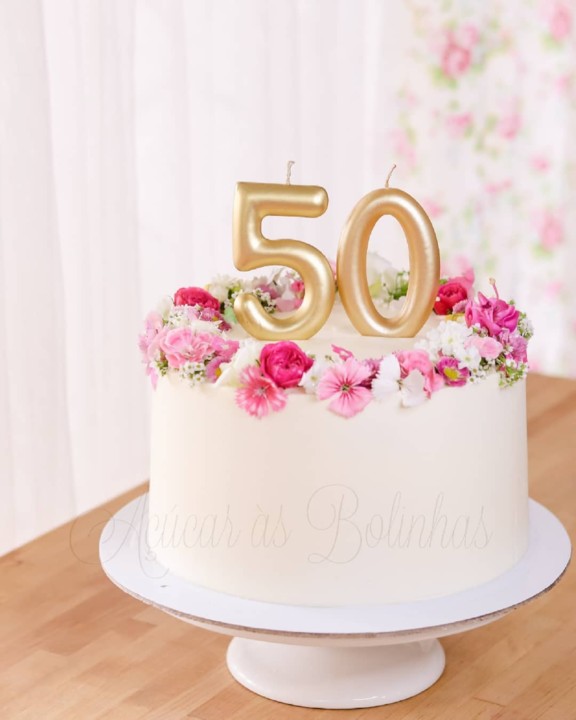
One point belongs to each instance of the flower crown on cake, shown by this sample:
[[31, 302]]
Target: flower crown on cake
[[188, 335]]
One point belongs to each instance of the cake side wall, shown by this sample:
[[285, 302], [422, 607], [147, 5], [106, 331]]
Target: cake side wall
[[306, 507]]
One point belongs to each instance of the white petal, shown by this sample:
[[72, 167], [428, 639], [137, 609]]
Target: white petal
[[412, 389], [386, 381]]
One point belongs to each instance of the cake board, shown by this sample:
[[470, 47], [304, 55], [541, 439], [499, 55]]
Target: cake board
[[332, 657]]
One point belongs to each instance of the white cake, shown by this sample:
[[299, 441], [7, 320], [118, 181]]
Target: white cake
[[306, 507]]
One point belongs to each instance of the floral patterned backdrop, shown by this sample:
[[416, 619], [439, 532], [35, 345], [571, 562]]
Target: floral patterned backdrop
[[485, 120]]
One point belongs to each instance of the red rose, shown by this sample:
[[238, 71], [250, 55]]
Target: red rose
[[450, 294], [284, 363], [196, 296]]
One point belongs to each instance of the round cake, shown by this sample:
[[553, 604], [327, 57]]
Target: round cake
[[391, 471]]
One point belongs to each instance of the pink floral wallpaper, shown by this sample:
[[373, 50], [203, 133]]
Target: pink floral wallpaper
[[485, 120]]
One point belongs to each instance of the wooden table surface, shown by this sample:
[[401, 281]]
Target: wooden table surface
[[75, 646]]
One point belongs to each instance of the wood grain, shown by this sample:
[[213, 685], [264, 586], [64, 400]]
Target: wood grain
[[74, 646]]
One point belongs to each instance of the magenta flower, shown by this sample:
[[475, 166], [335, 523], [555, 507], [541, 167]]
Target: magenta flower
[[491, 314], [196, 296], [284, 363], [451, 294], [257, 394], [453, 375], [343, 383]]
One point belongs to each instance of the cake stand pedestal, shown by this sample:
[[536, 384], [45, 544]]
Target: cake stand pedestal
[[332, 657]]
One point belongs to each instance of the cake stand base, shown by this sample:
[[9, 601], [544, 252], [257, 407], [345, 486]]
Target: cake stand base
[[332, 657], [335, 677]]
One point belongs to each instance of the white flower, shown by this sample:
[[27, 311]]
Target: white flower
[[311, 378], [219, 286], [387, 380], [468, 357], [448, 338], [164, 307], [247, 354], [183, 316], [412, 389]]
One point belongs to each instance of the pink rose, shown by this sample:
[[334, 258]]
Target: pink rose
[[455, 59], [453, 374], [284, 363], [487, 346], [450, 294], [418, 360], [491, 314], [196, 296]]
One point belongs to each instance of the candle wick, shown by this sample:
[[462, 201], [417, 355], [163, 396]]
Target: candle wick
[[289, 171], [390, 175]]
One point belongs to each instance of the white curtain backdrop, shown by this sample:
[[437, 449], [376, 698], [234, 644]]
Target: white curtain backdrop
[[125, 124]]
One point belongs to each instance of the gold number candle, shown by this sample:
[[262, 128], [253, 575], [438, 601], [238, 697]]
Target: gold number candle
[[424, 264], [253, 202]]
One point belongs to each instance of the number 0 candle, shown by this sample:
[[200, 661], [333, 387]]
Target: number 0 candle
[[424, 263]]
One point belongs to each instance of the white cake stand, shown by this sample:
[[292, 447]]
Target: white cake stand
[[332, 657]]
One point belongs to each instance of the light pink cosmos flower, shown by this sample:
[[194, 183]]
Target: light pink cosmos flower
[[343, 383], [258, 395]]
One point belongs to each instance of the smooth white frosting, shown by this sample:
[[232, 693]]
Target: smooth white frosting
[[306, 507]]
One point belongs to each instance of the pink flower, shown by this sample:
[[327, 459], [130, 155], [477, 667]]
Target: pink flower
[[224, 348], [433, 208], [146, 341], [284, 363], [451, 293], [509, 125], [196, 296], [458, 124], [208, 314], [551, 230], [297, 287], [269, 288], [257, 394], [454, 375], [487, 346], [519, 346], [342, 353], [455, 58], [343, 383], [418, 360], [459, 266], [540, 163], [560, 21], [491, 314], [182, 345], [516, 346], [403, 147], [288, 304]]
